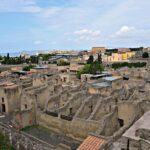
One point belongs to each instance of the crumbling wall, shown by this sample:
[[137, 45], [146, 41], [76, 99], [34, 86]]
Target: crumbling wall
[[126, 111], [39, 80], [77, 128], [23, 119], [23, 141], [13, 98], [110, 123], [145, 145]]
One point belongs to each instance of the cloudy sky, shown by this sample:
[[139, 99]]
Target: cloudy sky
[[73, 24]]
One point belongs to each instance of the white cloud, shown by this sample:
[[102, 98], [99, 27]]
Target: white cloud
[[86, 32], [48, 12], [31, 9], [38, 42], [86, 35], [54, 21], [26, 6], [124, 30]]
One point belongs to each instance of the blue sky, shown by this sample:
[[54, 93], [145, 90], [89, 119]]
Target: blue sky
[[73, 24]]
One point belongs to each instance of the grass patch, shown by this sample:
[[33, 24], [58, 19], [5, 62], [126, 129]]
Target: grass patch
[[29, 127], [4, 147], [4, 143]]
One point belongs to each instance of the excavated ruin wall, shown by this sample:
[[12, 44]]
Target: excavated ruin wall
[[76, 128], [22, 141]]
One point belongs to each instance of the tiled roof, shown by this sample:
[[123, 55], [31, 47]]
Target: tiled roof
[[91, 143]]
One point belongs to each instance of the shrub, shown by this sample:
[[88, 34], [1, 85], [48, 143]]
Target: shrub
[[129, 65], [92, 68], [145, 55], [63, 63], [27, 68]]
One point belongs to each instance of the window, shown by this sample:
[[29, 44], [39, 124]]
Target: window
[[121, 122], [70, 111], [128, 145], [25, 106], [65, 79], [2, 99], [109, 108]]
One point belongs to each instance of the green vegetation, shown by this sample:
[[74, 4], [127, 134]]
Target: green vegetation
[[4, 143], [80, 63], [12, 60], [27, 68], [92, 68], [29, 127], [54, 62], [63, 63], [1, 58], [130, 65], [90, 60], [99, 59], [46, 57], [33, 59], [20, 60], [145, 55]]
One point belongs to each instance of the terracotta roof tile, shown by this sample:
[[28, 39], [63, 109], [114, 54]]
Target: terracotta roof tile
[[91, 143]]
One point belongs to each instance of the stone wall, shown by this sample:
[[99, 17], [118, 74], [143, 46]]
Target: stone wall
[[10, 97], [76, 128], [126, 111], [110, 123], [145, 145], [23, 141], [23, 119]]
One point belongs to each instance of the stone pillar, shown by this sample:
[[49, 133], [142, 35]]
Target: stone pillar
[[10, 137], [59, 115], [18, 144], [26, 144]]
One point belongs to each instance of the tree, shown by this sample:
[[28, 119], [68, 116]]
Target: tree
[[96, 68], [27, 68], [84, 70], [46, 57], [99, 58], [90, 60], [145, 55], [63, 63], [7, 59], [34, 59], [93, 68], [1, 58]]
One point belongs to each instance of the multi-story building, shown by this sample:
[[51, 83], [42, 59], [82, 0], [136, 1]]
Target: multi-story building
[[96, 50], [118, 57]]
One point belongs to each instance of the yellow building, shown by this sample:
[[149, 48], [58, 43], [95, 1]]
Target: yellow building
[[118, 57], [124, 56], [130, 54], [115, 57], [127, 55]]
